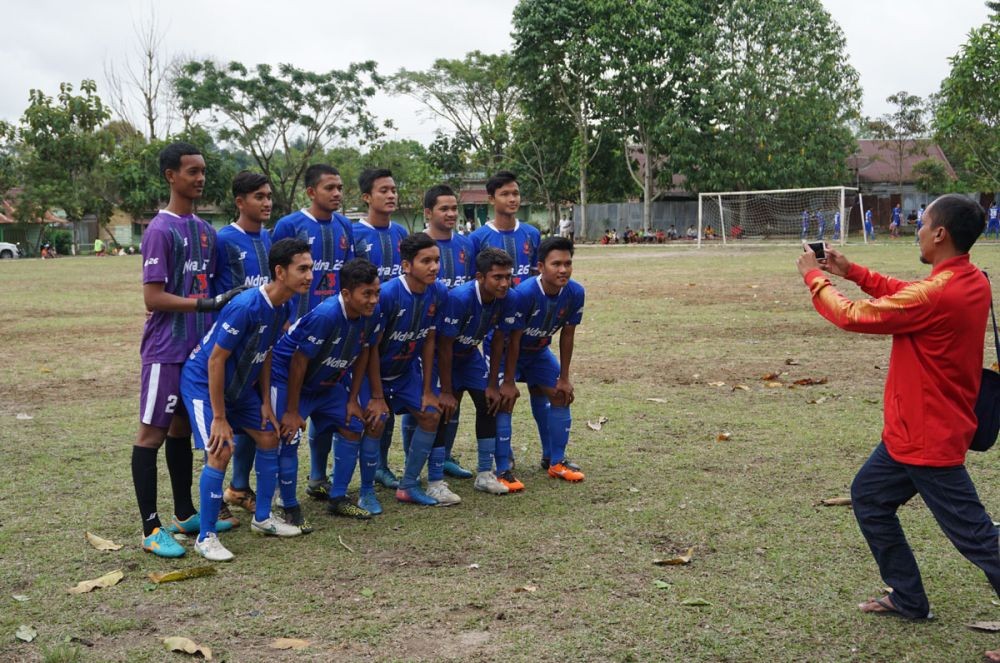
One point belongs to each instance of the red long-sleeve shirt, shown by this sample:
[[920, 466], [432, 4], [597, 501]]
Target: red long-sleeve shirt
[[935, 368]]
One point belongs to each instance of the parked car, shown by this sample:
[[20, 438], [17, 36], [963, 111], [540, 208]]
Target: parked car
[[8, 250]]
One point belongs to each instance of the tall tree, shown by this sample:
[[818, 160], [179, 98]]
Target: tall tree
[[476, 95], [967, 114], [902, 131], [541, 154], [283, 117]]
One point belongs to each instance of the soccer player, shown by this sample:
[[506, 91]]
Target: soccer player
[[377, 238], [241, 259], [476, 311], [920, 222], [897, 219], [226, 387], [412, 306], [821, 225], [520, 240], [836, 225], [805, 225], [869, 225], [178, 251], [547, 303], [993, 222], [312, 378], [332, 240]]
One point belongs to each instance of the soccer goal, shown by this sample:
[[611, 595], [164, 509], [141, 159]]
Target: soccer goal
[[783, 214]]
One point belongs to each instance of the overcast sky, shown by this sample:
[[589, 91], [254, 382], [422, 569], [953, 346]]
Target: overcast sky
[[894, 44]]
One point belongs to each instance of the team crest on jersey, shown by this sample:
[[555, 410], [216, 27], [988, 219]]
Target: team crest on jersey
[[431, 310], [204, 239], [527, 248], [461, 256], [561, 312], [343, 242]]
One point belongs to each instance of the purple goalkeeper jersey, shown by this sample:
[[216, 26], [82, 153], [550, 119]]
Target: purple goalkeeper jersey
[[179, 252]]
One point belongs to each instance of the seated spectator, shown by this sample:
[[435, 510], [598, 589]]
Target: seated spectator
[[709, 232], [672, 232], [660, 236], [736, 231], [691, 233]]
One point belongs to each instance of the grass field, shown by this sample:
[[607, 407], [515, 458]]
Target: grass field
[[781, 574]]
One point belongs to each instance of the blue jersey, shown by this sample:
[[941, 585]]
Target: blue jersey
[[380, 246], [993, 214], [241, 258], [896, 215], [470, 321], [332, 244], [330, 340], [457, 266], [407, 318], [521, 244], [541, 315], [836, 221], [868, 217], [248, 326], [805, 220], [820, 221]]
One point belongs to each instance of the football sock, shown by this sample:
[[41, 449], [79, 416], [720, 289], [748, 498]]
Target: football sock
[[369, 462], [435, 464], [345, 458], [243, 453], [386, 442], [486, 447], [319, 453], [266, 465], [144, 480], [420, 449], [540, 411], [560, 421], [450, 431], [210, 488], [407, 425], [180, 466], [288, 474], [503, 451]]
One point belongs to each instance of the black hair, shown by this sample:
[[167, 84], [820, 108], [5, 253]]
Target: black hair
[[435, 192], [492, 257], [356, 272], [964, 219], [368, 176], [170, 156], [550, 244], [499, 179], [283, 251], [247, 182], [315, 173], [414, 244]]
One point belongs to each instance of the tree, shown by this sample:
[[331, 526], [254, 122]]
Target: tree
[[967, 114], [902, 131], [776, 100], [283, 117], [931, 176], [476, 95], [450, 156], [541, 154]]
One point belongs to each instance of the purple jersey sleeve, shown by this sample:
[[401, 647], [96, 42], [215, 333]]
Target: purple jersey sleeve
[[155, 253]]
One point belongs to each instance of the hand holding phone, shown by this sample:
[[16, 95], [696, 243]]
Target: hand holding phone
[[819, 248]]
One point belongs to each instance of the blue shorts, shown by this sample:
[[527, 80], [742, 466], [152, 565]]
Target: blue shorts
[[469, 372], [242, 416], [538, 368], [402, 393], [327, 409]]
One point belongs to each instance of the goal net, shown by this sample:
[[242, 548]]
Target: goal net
[[783, 214]]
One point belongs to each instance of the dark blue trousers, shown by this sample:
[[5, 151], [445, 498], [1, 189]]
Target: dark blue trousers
[[882, 485]]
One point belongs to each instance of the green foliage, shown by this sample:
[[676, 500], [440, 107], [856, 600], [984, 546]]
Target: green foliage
[[412, 171], [283, 117], [932, 176], [60, 238], [901, 130], [541, 155], [967, 115], [449, 155]]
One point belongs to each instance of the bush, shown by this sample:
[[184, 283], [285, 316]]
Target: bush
[[61, 239]]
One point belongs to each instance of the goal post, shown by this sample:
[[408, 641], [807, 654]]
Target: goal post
[[821, 213]]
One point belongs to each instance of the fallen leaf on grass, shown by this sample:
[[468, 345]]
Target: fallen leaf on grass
[[660, 584], [791, 362], [26, 633], [992, 627], [102, 544], [526, 588], [677, 560], [20, 597], [183, 574], [695, 603], [657, 400], [597, 425], [806, 382], [717, 384], [722, 437], [23, 416], [773, 385], [816, 401], [187, 646], [106, 580], [633, 489], [770, 376], [473, 567], [836, 501], [741, 387], [289, 643]]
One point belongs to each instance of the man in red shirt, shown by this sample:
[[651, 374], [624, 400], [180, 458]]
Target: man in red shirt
[[937, 328]]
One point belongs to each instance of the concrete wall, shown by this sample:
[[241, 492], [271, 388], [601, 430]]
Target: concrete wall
[[619, 216]]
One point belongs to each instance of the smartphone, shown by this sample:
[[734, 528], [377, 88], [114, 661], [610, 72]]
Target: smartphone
[[818, 249]]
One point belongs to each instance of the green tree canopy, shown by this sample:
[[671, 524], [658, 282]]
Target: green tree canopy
[[902, 131]]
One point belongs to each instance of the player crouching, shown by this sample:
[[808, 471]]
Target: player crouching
[[226, 386]]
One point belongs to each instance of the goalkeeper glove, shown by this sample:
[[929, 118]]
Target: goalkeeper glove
[[216, 303]]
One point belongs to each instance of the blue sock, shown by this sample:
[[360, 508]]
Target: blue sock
[[560, 421], [486, 448], [503, 450], [450, 431], [420, 449], [319, 453], [386, 442], [345, 458], [369, 463], [267, 477], [243, 453], [288, 474], [435, 464], [210, 488], [406, 428], [540, 411]]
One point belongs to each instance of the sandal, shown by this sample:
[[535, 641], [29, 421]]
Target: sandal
[[885, 606]]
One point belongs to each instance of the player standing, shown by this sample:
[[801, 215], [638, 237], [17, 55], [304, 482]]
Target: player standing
[[869, 226], [820, 225], [836, 225], [993, 222], [897, 219], [520, 240], [805, 225]]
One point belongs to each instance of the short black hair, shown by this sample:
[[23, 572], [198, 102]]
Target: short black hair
[[499, 179], [315, 173], [357, 271], [284, 251], [368, 176], [435, 192], [414, 244], [170, 156], [964, 219], [492, 257], [247, 182], [551, 244]]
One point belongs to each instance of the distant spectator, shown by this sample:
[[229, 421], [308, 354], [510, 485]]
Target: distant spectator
[[566, 227], [660, 236], [709, 232], [99, 248], [736, 231], [691, 233], [672, 232]]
